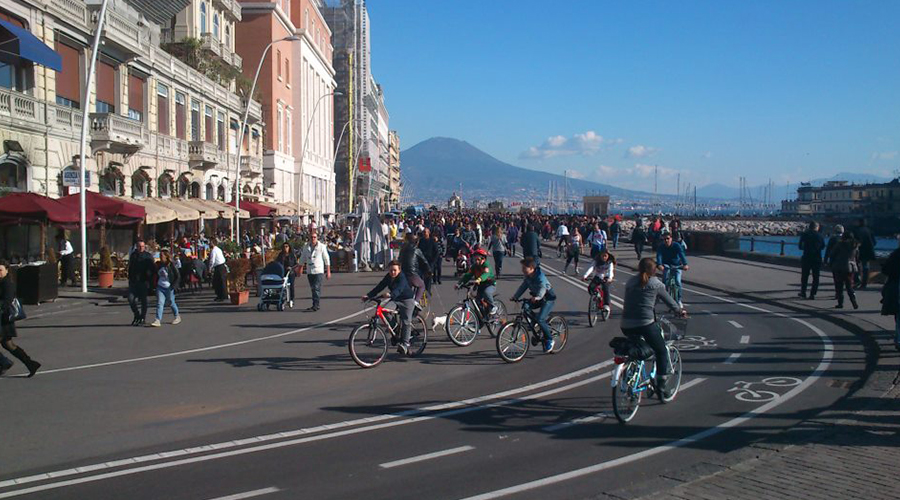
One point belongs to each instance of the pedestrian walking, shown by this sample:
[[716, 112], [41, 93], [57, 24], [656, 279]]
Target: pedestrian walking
[[8, 324], [512, 237], [614, 230], [573, 251], [639, 239], [315, 260], [430, 250], [217, 267], [498, 250], [288, 260], [866, 253], [440, 251], [531, 245], [812, 244], [166, 280], [890, 293], [843, 257], [66, 259], [140, 272]]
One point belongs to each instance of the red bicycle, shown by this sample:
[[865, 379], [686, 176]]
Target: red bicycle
[[598, 308], [369, 343]]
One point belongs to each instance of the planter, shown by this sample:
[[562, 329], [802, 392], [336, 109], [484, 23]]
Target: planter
[[105, 278], [238, 298]]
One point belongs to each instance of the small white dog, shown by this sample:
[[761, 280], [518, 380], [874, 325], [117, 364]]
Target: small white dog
[[440, 321]]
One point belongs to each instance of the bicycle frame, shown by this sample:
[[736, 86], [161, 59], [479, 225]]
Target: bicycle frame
[[640, 367], [381, 313]]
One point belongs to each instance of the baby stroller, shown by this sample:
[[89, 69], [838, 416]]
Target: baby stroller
[[273, 287]]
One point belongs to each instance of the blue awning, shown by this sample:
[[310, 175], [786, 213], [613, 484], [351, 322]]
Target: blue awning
[[29, 47]]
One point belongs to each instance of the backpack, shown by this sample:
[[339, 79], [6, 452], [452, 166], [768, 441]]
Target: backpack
[[632, 349]]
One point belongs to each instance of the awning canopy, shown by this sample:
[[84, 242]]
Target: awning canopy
[[114, 211], [28, 47], [155, 213], [184, 210], [281, 209], [224, 210], [34, 208], [257, 210]]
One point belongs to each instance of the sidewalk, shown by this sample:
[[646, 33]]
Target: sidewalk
[[71, 298], [847, 451]]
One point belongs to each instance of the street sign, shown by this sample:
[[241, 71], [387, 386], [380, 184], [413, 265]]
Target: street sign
[[71, 178], [365, 164]]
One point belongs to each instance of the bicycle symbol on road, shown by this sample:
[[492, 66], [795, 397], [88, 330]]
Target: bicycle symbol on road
[[694, 342], [743, 391]]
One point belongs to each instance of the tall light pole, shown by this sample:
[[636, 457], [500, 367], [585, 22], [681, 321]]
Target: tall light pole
[[240, 141], [95, 47], [305, 142]]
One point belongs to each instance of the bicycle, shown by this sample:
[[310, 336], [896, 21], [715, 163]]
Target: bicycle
[[597, 306], [466, 319], [672, 286], [635, 372], [513, 340], [368, 343]]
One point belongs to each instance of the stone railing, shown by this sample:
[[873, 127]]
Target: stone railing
[[255, 111], [73, 11], [211, 44], [22, 108], [125, 33], [117, 133], [63, 119], [251, 165], [205, 154], [171, 147], [232, 8]]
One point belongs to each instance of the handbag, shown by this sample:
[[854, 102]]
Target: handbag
[[17, 312]]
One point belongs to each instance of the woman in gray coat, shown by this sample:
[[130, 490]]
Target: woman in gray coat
[[843, 258]]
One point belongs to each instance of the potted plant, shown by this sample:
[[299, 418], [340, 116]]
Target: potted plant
[[237, 281], [105, 273]]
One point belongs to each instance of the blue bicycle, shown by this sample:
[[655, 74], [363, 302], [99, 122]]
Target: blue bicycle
[[635, 372]]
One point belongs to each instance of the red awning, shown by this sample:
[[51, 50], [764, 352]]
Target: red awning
[[257, 210], [115, 211], [32, 207]]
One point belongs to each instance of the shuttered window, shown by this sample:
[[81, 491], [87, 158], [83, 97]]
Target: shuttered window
[[179, 115], [162, 109], [136, 97], [68, 81], [106, 88]]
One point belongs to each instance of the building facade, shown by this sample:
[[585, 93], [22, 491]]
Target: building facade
[[596, 205], [395, 182], [843, 198], [161, 124]]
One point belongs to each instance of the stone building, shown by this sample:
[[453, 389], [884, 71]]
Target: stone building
[[596, 205]]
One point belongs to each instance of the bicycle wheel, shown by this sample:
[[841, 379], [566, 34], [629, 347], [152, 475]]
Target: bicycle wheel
[[498, 320], [512, 342], [368, 345], [461, 326], [674, 382], [626, 400], [559, 327], [593, 311], [418, 337]]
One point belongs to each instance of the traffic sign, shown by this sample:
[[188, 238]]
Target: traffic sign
[[71, 178]]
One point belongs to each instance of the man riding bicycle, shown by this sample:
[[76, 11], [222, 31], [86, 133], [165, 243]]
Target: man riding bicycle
[[481, 275], [639, 316], [562, 234], [402, 295], [670, 256], [542, 297]]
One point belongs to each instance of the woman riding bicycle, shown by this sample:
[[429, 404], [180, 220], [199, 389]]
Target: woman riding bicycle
[[604, 270], [639, 315], [403, 296]]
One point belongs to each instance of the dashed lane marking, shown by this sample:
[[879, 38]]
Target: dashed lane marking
[[250, 494], [735, 324], [731, 359], [427, 456], [745, 339]]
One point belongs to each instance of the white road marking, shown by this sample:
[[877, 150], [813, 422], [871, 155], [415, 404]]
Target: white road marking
[[745, 339], [250, 494], [444, 409], [710, 312], [603, 415], [731, 359], [827, 355], [735, 324], [614, 300], [199, 349], [427, 456]]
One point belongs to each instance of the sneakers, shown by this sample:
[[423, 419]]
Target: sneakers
[[493, 311], [548, 345], [607, 310], [855, 304], [177, 320], [403, 348], [155, 323], [839, 306], [802, 295], [291, 304]]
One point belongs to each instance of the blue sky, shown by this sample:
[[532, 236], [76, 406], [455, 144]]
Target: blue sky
[[787, 90]]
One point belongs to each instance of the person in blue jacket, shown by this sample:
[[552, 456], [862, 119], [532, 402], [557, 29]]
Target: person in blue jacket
[[672, 258], [542, 297]]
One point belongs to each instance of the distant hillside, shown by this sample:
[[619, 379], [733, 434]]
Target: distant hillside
[[723, 192], [434, 169]]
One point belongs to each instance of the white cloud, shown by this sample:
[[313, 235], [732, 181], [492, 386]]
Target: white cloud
[[886, 155], [640, 151], [606, 171], [707, 155], [644, 171], [586, 144], [575, 174]]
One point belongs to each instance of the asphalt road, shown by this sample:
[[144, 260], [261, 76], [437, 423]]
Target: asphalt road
[[234, 403]]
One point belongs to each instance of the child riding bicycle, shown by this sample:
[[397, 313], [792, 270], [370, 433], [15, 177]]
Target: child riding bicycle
[[542, 297], [481, 275], [603, 270]]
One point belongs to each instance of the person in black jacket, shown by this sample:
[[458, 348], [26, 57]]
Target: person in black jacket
[[812, 244], [140, 272], [866, 253], [890, 293], [531, 243], [639, 239], [288, 260], [8, 328], [414, 264], [402, 295], [430, 250]]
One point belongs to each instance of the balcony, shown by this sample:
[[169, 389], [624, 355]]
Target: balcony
[[255, 111], [202, 154], [217, 48], [232, 8], [22, 111], [171, 147], [64, 121], [73, 12], [251, 166], [211, 44], [117, 134], [124, 33]]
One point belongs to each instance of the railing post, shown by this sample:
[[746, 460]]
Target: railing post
[[752, 244], [782, 248]]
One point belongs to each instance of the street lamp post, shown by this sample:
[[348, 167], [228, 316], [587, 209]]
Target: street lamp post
[[240, 140], [305, 142]]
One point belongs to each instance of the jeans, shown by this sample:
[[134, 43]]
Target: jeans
[[639, 250], [897, 329], [677, 276], [138, 292], [162, 295], [863, 275], [843, 280], [405, 309], [654, 338], [436, 269], [67, 263], [498, 262], [291, 285], [807, 268], [315, 285], [615, 238], [486, 293], [546, 307]]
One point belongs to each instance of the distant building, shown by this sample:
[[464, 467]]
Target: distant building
[[843, 198], [596, 205], [496, 207], [455, 202]]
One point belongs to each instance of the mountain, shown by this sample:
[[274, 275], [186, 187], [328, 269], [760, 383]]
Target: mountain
[[723, 192], [434, 169]]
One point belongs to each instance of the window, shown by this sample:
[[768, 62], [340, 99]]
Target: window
[[279, 129], [15, 73], [112, 182], [215, 31], [209, 124], [184, 187], [220, 193], [68, 81], [288, 132], [287, 72], [106, 88], [195, 120], [179, 114], [162, 109], [140, 185], [164, 186], [209, 191], [203, 17], [278, 58], [195, 190], [228, 37], [136, 97], [13, 173], [220, 131]]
